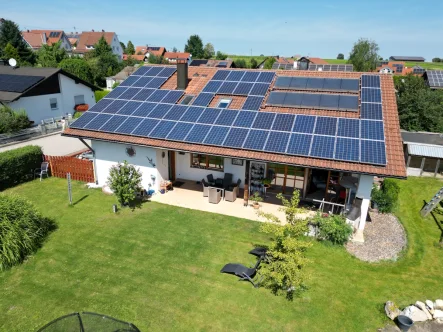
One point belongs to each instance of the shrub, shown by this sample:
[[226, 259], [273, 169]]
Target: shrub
[[333, 228], [387, 196], [125, 181], [99, 95], [17, 165], [77, 115], [22, 230], [11, 121]]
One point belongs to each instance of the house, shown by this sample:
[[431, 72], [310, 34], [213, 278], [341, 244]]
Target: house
[[88, 39], [398, 68], [434, 78], [138, 57], [326, 134], [43, 92], [423, 153], [120, 76], [73, 38], [228, 63], [407, 58], [36, 38], [172, 57], [307, 63], [150, 50]]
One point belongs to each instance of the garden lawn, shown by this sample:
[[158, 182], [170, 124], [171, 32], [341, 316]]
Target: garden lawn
[[158, 267]]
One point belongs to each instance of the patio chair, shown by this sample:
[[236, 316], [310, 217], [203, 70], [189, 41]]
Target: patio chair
[[231, 194], [42, 170], [211, 179], [243, 272], [214, 195], [205, 188], [227, 180], [260, 253]]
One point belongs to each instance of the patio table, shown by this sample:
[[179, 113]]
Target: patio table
[[221, 189]]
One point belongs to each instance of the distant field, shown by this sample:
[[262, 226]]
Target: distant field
[[426, 65], [336, 61], [247, 58]]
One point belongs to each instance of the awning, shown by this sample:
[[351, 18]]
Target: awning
[[431, 151]]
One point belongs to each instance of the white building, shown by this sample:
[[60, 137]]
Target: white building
[[44, 93], [89, 38]]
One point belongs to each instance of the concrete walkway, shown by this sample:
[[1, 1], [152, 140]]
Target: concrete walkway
[[52, 145]]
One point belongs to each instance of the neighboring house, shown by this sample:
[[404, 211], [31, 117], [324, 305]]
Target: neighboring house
[[73, 38], [121, 76], [36, 38], [43, 92], [434, 78], [398, 68], [135, 57], [228, 63], [324, 134], [150, 50], [307, 63], [423, 153], [173, 56], [88, 39], [407, 58]]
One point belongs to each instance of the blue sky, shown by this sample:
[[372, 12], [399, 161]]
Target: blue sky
[[316, 27]]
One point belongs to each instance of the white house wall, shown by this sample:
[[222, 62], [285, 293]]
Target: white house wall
[[70, 89]]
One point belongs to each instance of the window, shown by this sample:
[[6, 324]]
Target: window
[[187, 100], [53, 103], [203, 161], [224, 103], [80, 99]]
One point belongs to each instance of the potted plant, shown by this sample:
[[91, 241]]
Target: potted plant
[[256, 199], [266, 182]]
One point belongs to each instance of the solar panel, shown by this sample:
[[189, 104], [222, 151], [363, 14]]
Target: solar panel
[[259, 89], [349, 85], [277, 142], [265, 77], [157, 96], [256, 139], [155, 70], [235, 76], [130, 81], [372, 130], [212, 86], [216, 135], [162, 129], [167, 72], [252, 103], [129, 108], [198, 133], [373, 152], [299, 144], [304, 124], [370, 95], [435, 78], [371, 111], [333, 84], [221, 75], [176, 112], [348, 128], [144, 109], [282, 82], [99, 107], [347, 149], [297, 83], [333, 67], [226, 117], [173, 96], [115, 106], [236, 137], [250, 76], [142, 81], [112, 124], [128, 125], [348, 103], [329, 101], [142, 70], [263, 120], [116, 92], [276, 98], [129, 93], [370, 81], [203, 99], [315, 83], [227, 88], [293, 99], [180, 131], [192, 114], [326, 126], [145, 127], [310, 100], [245, 119], [82, 121], [283, 122], [159, 111], [156, 82], [209, 115], [322, 147], [143, 94], [243, 89]]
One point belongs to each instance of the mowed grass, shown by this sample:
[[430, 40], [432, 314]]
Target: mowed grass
[[247, 58], [158, 267], [336, 61], [426, 65]]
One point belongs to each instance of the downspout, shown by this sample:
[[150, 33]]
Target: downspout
[[93, 160]]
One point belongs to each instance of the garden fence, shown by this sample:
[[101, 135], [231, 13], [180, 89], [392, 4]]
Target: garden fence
[[80, 169]]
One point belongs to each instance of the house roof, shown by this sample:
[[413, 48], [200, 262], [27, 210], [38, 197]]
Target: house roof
[[125, 73], [22, 72], [90, 38], [422, 137], [431, 151], [212, 63], [134, 56], [407, 58], [34, 39], [200, 76], [318, 61], [154, 50], [177, 55]]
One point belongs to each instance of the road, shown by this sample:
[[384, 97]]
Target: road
[[52, 145]]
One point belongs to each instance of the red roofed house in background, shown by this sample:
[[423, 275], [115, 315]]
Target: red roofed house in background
[[36, 38], [399, 68], [88, 39], [173, 56]]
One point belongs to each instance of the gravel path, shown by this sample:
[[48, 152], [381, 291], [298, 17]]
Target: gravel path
[[384, 237]]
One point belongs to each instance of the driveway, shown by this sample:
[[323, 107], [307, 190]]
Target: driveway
[[52, 145]]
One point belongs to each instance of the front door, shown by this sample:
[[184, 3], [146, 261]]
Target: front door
[[171, 165]]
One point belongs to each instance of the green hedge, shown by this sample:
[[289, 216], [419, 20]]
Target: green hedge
[[17, 165], [22, 230], [387, 196], [100, 95], [12, 121]]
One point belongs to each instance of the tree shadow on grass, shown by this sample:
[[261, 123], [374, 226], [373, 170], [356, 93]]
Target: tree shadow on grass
[[79, 200], [438, 222]]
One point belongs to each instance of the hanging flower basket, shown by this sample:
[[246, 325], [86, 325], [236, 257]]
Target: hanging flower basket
[[81, 107]]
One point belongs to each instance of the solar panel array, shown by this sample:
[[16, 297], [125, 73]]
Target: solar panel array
[[334, 67], [418, 70], [18, 83], [435, 78], [283, 66], [317, 84]]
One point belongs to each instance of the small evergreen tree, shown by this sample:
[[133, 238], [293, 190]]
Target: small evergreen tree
[[124, 180], [208, 51], [11, 52], [78, 67], [174, 49], [10, 33], [51, 55], [195, 47], [340, 56], [123, 46], [269, 62], [130, 49], [253, 63], [221, 56]]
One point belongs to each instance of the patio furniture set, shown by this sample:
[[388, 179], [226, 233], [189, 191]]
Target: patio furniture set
[[216, 189]]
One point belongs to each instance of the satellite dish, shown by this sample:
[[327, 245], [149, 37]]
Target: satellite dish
[[12, 62]]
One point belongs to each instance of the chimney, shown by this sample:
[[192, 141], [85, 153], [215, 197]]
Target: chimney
[[93, 30], [103, 30], [182, 74]]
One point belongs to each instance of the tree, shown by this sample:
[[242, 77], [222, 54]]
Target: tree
[[130, 61], [51, 56], [174, 49], [157, 59], [269, 62], [79, 68], [240, 63], [124, 180], [340, 56], [123, 47], [285, 274], [195, 47], [10, 52], [436, 60], [419, 107], [208, 51], [10, 33], [101, 48], [253, 63], [130, 49], [364, 55], [221, 56]]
